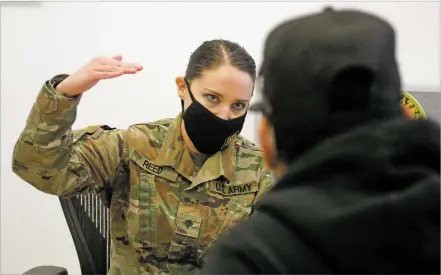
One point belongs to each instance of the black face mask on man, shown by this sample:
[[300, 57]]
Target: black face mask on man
[[208, 132]]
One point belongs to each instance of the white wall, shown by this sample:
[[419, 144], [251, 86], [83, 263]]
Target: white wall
[[43, 39]]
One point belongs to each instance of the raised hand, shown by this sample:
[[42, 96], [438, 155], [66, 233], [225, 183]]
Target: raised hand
[[97, 69]]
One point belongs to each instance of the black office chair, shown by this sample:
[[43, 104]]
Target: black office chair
[[88, 221]]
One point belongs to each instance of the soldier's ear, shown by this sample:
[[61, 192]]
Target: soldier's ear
[[181, 87]]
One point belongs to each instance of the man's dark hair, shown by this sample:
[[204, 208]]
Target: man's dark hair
[[214, 53], [348, 97]]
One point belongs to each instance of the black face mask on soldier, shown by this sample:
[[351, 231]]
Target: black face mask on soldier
[[208, 132]]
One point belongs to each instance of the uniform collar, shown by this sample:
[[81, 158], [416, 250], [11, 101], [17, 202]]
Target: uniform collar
[[175, 153]]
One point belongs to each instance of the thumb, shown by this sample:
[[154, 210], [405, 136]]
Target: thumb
[[117, 57]]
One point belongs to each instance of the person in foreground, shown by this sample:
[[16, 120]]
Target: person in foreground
[[189, 179], [358, 188]]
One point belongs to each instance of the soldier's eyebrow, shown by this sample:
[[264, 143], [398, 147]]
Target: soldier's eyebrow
[[214, 92]]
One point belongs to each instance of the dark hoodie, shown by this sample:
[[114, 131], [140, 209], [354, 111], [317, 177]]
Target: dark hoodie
[[367, 201]]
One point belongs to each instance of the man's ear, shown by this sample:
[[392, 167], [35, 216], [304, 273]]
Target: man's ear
[[267, 142], [181, 86]]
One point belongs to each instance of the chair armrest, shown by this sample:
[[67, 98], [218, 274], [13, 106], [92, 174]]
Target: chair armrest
[[46, 270]]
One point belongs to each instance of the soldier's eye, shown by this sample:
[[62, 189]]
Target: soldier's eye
[[212, 98], [239, 106]]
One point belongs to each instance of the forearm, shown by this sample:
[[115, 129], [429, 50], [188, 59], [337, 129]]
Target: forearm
[[48, 128]]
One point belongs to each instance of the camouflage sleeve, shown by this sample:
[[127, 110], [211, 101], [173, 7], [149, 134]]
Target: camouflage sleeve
[[265, 184], [55, 160]]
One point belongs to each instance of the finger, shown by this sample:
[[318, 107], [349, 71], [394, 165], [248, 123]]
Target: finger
[[122, 65], [136, 66], [116, 60], [130, 70], [108, 75], [117, 57], [125, 68], [109, 68]]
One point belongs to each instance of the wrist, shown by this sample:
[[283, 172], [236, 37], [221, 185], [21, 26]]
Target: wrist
[[58, 84], [56, 80]]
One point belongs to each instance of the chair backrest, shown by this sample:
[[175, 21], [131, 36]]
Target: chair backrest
[[88, 221]]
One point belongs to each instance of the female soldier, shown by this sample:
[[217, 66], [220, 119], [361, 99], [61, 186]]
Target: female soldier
[[190, 178]]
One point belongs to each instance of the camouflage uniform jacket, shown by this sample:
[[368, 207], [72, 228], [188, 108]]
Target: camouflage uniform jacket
[[164, 219]]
